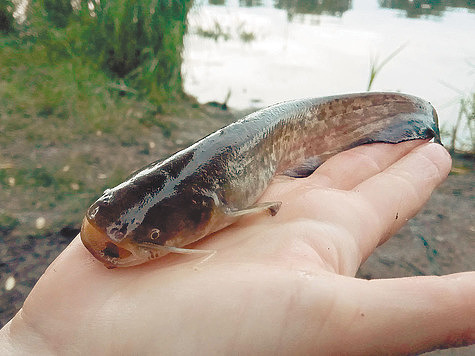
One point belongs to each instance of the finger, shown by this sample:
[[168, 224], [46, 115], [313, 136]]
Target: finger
[[408, 315], [350, 168], [387, 200]]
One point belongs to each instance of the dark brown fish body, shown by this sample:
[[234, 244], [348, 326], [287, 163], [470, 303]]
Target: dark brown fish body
[[207, 186]]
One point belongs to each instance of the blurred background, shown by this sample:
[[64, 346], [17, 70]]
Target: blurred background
[[93, 90]]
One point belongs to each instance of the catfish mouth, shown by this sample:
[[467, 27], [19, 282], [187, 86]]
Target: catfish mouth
[[113, 254]]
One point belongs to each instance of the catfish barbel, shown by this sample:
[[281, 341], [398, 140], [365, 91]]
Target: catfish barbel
[[170, 204]]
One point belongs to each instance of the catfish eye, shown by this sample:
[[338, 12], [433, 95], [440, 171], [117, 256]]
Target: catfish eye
[[155, 234]]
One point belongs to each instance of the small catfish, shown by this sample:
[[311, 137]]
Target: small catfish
[[172, 203]]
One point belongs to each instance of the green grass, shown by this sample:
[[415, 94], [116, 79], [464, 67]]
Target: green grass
[[70, 98]]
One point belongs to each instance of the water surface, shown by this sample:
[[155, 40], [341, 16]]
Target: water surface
[[262, 52]]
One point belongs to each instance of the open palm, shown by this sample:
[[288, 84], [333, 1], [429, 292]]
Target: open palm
[[277, 285]]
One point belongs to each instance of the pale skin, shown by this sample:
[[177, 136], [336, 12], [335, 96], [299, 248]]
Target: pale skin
[[276, 285]]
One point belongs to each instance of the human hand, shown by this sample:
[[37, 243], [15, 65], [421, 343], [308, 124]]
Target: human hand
[[277, 285]]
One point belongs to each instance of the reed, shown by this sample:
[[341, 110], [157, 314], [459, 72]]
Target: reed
[[376, 67], [6, 16], [136, 43], [465, 117], [141, 42]]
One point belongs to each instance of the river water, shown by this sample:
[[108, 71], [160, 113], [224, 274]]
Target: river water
[[287, 49]]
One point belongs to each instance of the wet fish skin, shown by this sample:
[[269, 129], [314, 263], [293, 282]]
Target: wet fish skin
[[208, 185]]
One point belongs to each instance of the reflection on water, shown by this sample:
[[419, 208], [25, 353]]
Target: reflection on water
[[316, 7], [250, 3], [411, 8], [418, 8]]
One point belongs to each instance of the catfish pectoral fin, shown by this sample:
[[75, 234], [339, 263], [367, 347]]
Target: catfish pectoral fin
[[273, 207], [305, 169]]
